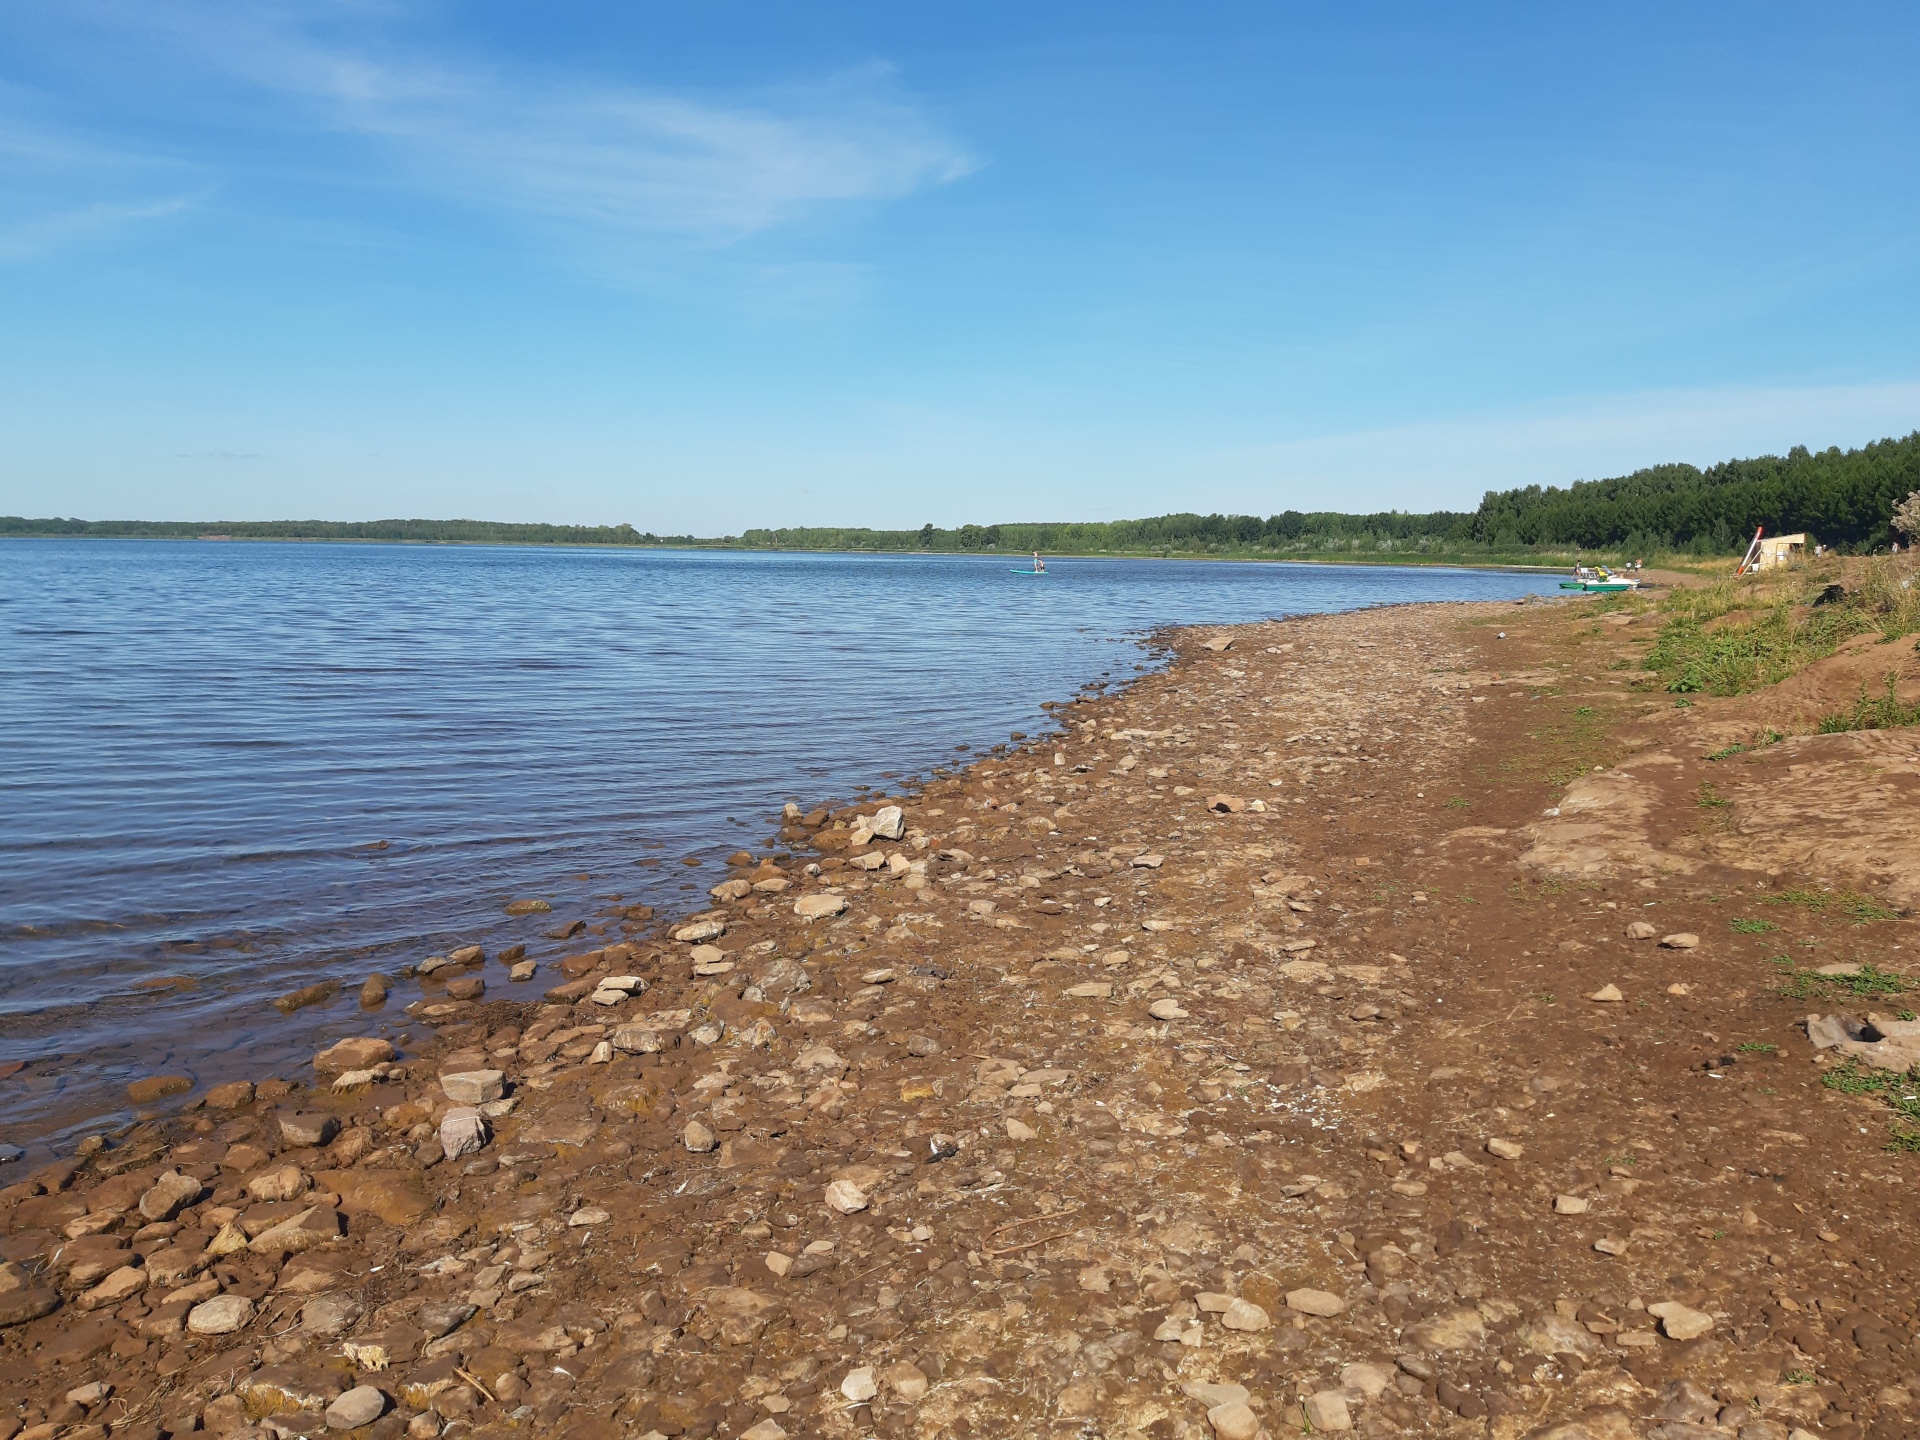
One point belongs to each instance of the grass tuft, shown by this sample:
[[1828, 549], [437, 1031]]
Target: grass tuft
[[1872, 712], [1866, 983], [1856, 907], [1898, 1090]]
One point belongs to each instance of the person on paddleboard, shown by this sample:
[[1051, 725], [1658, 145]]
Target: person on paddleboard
[[1039, 565]]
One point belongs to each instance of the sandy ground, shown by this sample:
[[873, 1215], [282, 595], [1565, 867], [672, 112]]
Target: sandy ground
[[1268, 1052]]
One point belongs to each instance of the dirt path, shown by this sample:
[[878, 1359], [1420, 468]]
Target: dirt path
[[1225, 1065]]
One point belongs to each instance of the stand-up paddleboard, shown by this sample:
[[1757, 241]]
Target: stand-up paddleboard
[[1029, 572]]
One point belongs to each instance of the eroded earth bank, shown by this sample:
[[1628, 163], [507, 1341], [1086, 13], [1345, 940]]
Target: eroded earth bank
[[1258, 1055]]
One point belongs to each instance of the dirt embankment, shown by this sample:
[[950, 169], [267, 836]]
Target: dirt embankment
[[1259, 1055]]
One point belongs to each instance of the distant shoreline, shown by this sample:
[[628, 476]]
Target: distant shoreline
[[1449, 562]]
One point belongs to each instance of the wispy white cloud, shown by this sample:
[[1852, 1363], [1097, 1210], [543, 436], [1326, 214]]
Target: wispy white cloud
[[630, 163], [32, 236], [634, 181], [600, 164], [62, 187]]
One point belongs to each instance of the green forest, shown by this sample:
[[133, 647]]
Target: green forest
[[1843, 498], [442, 532]]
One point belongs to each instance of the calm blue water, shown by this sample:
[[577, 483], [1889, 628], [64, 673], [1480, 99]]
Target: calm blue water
[[201, 741]]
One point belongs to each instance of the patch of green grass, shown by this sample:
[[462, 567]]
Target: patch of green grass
[[1709, 797], [1458, 802], [1749, 655], [1756, 1047], [1866, 984], [1899, 1091], [1801, 1377], [1856, 907], [1752, 927], [1565, 746], [1881, 712], [1546, 997], [1738, 635], [1763, 739]]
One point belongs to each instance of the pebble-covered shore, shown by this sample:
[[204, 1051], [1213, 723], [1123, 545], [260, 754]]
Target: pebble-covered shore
[[1268, 1052]]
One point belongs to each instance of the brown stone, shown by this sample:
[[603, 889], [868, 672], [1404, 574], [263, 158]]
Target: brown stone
[[308, 1128], [19, 1306], [82, 1342], [171, 1194], [244, 1156], [300, 999], [158, 1087], [233, 1095], [358, 1053], [306, 1230], [284, 1182], [644, 1099], [395, 1197]]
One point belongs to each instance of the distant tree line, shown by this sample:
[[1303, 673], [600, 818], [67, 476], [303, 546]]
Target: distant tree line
[[1844, 498], [1185, 533], [467, 532]]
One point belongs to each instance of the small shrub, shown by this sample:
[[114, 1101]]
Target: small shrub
[[1881, 712]]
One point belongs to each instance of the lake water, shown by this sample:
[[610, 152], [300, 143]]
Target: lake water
[[203, 741]]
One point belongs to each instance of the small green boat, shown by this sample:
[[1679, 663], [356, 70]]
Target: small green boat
[[1599, 581]]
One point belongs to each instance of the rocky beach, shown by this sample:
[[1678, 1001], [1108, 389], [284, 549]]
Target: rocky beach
[[1405, 1022]]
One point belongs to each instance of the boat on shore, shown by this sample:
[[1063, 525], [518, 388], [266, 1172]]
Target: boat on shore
[[1599, 580]]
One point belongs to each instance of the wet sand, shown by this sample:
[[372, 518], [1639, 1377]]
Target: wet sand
[[1258, 1053]]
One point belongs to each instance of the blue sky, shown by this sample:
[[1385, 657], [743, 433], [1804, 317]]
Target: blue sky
[[705, 266]]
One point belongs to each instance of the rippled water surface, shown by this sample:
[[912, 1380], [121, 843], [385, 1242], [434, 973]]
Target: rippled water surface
[[203, 742]]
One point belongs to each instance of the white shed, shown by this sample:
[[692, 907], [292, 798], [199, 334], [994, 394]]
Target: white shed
[[1781, 550]]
